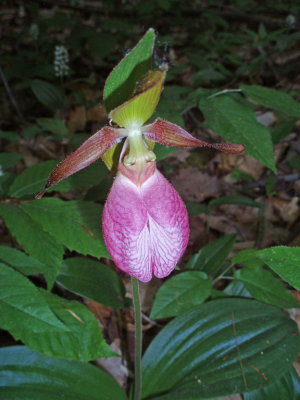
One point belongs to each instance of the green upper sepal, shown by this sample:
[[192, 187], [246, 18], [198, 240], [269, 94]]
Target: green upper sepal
[[136, 111]]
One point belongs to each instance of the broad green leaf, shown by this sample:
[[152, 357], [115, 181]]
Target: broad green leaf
[[295, 162], [241, 175], [32, 180], [83, 341], [49, 95], [281, 130], [23, 309], [34, 239], [262, 32], [238, 200], [247, 257], [100, 44], [174, 101], [120, 25], [274, 99], [211, 257], [75, 224], [121, 82], [8, 160], [6, 179], [100, 191], [236, 123], [78, 139], [283, 388], [85, 178], [93, 280], [180, 293], [236, 289], [22, 262], [196, 208], [296, 383], [206, 75], [8, 135], [263, 286], [136, 111], [163, 152], [167, 110], [207, 351], [26, 374], [270, 184], [216, 294], [31, 131], [53, 125], [283, 260]]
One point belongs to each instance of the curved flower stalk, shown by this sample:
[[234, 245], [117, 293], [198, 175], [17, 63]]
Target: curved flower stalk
[[145, 222]]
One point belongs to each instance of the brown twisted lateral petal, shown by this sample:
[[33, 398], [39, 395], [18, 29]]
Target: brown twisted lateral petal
[[92, 149], [169, 134]]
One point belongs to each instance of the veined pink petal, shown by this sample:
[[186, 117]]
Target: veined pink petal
[[168, 220], [145, 228]]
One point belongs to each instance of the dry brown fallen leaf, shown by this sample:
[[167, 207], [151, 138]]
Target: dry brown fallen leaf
[[288, 209], [77, 119], [195, 186], [97, 114], [99, 310], [244, 163]]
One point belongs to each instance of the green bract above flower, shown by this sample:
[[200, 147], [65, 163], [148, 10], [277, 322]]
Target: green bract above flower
[[135, 112], [121, 82]]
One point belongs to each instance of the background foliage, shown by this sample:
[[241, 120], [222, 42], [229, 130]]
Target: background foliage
[[221, 329]]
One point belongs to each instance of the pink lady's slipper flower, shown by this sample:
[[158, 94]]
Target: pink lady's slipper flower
[[145, 222]]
